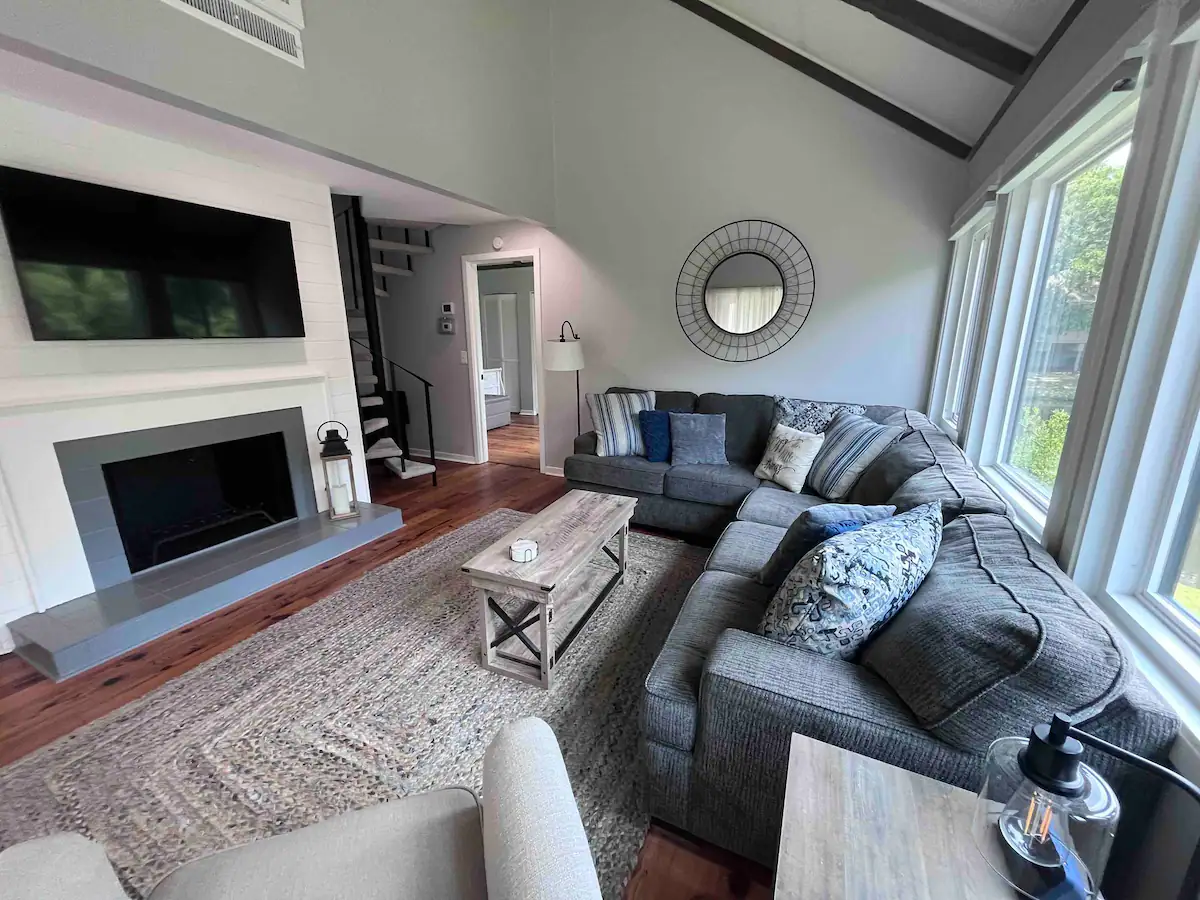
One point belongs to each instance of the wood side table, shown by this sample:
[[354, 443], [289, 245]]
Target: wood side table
[[531, 612], [855, 828]]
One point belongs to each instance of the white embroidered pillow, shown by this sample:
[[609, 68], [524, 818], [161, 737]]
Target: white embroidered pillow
[[789, 455]]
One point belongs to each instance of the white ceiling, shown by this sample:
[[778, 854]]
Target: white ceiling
[[1022, 23], [384, 196], [937, 87]]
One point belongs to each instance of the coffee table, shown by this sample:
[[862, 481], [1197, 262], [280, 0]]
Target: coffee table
[[531, 612], [854, 827]]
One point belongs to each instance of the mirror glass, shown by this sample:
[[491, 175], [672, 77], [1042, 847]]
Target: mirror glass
[[743, 293]]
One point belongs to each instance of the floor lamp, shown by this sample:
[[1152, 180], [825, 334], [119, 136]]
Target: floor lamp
[[566, 356]]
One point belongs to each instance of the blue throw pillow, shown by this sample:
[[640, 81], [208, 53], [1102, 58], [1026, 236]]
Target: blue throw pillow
[[656, 434], [813, 526], [698, 439]]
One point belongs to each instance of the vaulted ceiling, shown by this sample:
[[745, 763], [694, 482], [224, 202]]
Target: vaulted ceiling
[[944, 69]]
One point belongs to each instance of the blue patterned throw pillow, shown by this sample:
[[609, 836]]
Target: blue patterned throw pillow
[[810, 415], [656, 434], [851, 444], [847, 588], [615, 419]]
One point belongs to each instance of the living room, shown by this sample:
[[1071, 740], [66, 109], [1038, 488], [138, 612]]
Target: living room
[[939, 195]]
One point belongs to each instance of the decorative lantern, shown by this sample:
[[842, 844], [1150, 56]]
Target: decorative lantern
[[337, 464]]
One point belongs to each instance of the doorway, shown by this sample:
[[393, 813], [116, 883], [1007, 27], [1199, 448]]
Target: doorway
[[504, 355]]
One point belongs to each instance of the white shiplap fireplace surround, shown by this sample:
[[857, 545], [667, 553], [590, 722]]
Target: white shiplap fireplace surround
[[58, 391]]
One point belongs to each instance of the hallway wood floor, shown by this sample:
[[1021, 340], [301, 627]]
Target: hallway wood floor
[[35, 711], [517, 444]]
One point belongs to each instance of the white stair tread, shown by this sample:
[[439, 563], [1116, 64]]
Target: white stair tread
[[366, 379], [411, 468], [381, 293], [397, 246], [374, 425], [362, 354], [384, 448], [381, 269], [370, 401]]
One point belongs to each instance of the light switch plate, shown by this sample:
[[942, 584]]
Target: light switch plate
[[462, 357]]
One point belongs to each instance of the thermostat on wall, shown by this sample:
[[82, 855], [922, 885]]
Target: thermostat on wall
[[447, 309], [446, 325]]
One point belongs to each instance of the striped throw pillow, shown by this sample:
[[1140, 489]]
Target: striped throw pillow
[[615, 419], [851, 444]]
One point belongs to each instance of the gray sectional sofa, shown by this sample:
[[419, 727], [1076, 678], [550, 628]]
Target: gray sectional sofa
[[995, 639]]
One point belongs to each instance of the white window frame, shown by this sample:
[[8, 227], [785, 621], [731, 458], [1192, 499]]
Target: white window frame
[[1143, 493], [1030, 215], [961, 316]]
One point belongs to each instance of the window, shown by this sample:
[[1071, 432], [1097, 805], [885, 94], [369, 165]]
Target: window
[[968, 323], [1082, 208], [960, 322], [1187, 584]]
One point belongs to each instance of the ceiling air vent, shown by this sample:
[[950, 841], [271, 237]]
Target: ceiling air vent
[[255, 26]]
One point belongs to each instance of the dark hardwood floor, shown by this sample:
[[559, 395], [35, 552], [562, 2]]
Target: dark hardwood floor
[[35, 711]]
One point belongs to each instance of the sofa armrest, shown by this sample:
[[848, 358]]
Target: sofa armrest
[[754, 694], [586, 443], [59, 867], [534, 846]]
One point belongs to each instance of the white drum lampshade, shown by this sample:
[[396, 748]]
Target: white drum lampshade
[[563, 356]]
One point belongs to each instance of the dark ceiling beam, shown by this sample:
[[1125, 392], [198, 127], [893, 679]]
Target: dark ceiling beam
[[977, 48], [830, 79], [1055, 36]]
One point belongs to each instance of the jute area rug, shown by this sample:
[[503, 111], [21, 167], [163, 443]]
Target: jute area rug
[[375, 692]]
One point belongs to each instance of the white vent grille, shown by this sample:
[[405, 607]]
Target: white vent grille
[[249, 24]]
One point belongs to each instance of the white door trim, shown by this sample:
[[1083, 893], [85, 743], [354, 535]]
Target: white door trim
[[470, 276]]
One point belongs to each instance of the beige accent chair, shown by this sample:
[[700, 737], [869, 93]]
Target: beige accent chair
[[524, 842]]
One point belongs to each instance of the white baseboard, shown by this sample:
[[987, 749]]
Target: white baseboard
[[6, 640], [449, 457], [527, 412], [553, 470]]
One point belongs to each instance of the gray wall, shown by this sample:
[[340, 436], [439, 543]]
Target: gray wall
[[519, 282], [666, 128], [453, 93], [1101, 24]]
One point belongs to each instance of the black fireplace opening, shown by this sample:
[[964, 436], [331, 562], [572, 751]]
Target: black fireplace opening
[[171, 505]]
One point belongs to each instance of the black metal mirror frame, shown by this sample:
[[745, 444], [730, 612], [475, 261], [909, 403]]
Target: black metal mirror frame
[[765, 239]]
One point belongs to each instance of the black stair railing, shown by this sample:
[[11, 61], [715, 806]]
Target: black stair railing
[[398, 417]]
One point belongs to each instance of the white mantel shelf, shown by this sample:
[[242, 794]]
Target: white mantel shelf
[[74, 390]]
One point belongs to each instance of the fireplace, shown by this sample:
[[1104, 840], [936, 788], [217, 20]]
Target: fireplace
[[174, 504], [143, 499]]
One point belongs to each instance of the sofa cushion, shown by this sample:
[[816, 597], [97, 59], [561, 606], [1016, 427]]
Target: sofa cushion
[[852, 443], [717, 601], [667, 401], [744, 548], [697, 439], [898, 415], [630, 473], [747, 423], [771, 505], [811, 528], [913, 453], [841, 594], [957, 485], [431, 844], [719, 485], [997, 638]]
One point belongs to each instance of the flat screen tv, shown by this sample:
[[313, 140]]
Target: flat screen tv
[[99, 263]]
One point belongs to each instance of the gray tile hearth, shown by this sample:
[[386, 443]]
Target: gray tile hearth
[[82, 633]]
